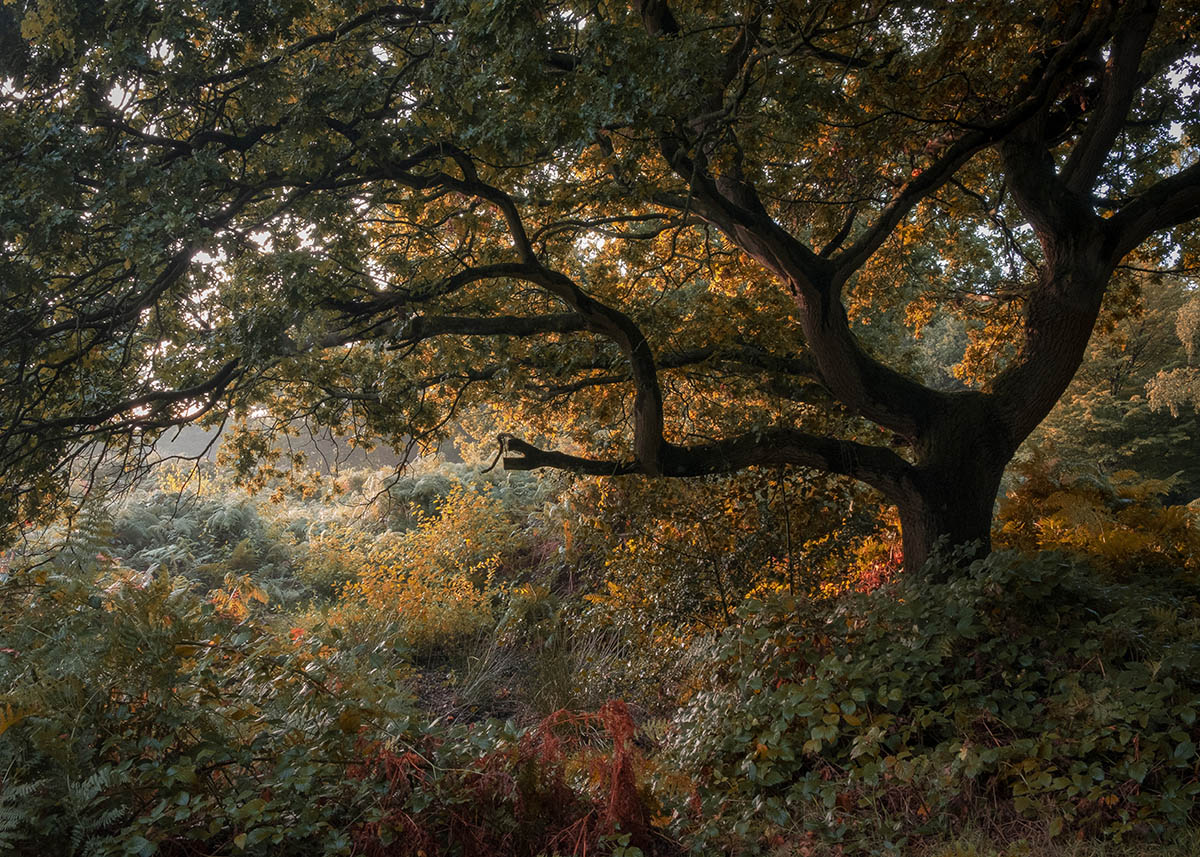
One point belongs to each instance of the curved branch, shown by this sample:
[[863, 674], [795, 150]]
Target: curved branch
[[1027, 105], [742, 356], [876, 466], [866, 386], [395, 12], [426, 291], [530, 457], [212, 388], [1117, 91], [926, 182], [1170, 202], [596, 316]]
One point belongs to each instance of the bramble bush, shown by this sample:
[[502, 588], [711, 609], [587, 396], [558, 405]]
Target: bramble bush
[[571, 784], [1031, 687]]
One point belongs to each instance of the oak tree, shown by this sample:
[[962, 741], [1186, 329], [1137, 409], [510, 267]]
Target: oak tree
[[668, 239]]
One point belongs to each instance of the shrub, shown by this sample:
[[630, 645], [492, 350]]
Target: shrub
[[1119, 522], [1028, 687], [568, 785], [439, 579], [137, 719], [680, 557]]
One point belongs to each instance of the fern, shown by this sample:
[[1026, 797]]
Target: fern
[[84, 804], [10, 717], [16, 810]]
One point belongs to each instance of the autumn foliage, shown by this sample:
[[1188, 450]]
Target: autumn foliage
[[568, 785]]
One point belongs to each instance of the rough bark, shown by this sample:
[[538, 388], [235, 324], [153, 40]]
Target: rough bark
[[951, 492]]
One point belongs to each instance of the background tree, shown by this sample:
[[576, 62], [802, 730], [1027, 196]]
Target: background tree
[[683, 240], [1110, 419]]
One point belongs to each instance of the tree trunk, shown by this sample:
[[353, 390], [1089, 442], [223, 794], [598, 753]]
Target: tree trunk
[[948, 514], [948, 499]]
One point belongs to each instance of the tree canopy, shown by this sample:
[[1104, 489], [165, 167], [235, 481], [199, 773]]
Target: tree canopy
[[662, 239]]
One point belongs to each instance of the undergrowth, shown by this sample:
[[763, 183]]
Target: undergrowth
[[138, 718], [1025, 691], [427, 666]]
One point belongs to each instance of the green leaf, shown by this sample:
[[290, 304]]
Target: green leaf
[[1184, 750], [140, 845]]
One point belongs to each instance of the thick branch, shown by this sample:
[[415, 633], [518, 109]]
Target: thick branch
[[876, 466], [863, 384], [597, 317], [657, 18], [529, 457], [1026, 107], [749, 359], [929, 180], [1117, 91], [211, 389], [470, 184], [1171, 202], [621, 329], [1051, 208], [426, 291]]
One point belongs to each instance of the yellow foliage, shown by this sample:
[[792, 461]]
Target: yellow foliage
[[438, 579], [10, 717], [1119, 522], [238, 594]]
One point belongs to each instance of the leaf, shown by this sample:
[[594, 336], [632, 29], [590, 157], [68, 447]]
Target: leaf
[[1184, 750], [10, 717], [140, 846]]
